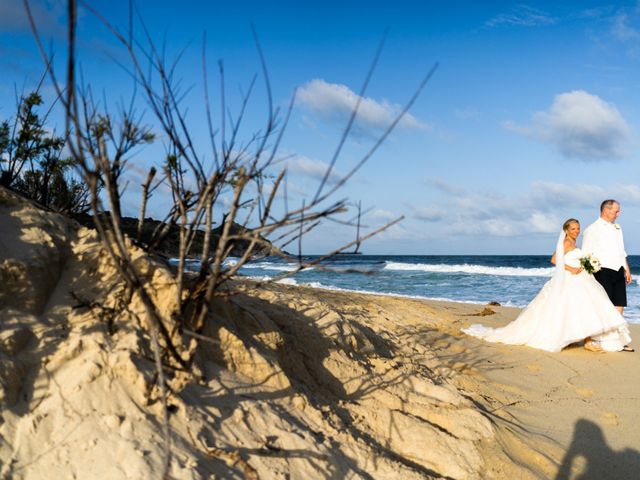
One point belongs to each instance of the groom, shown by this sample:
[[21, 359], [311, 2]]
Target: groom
[[604, 239]]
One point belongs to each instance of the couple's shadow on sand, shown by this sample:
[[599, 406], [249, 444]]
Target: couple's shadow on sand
[[599, 460]]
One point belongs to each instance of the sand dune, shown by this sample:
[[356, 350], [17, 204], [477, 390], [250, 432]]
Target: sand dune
[[294, 382]]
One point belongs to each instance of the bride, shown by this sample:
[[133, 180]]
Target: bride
[[571, 307]]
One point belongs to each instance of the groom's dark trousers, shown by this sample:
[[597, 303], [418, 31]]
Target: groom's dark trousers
[[614, 284]]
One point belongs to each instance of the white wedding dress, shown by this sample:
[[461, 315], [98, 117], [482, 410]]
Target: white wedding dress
[[568, 309]]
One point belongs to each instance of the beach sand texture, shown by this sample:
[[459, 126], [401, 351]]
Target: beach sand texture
[[298, 383]]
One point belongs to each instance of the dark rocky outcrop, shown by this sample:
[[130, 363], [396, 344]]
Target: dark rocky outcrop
[[171, 243]]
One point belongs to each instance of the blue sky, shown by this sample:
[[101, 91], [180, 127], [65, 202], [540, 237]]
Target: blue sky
[[532, 116]]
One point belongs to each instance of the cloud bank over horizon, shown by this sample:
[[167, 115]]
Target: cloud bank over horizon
[[538, 210]]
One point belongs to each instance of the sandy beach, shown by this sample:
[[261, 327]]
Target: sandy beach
[[290, 382], [576, 408], [556, 415]]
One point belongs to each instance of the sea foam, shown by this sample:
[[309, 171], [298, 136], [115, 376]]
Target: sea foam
[[471, 269]]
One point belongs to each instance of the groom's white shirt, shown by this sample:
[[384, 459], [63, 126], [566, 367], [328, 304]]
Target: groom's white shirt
[[604, 240]]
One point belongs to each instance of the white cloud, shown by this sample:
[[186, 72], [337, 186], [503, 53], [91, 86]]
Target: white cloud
[[522, 16], [383, 215], [551, 194], [622, 29], [534, 223], [627, 194], [540, 210], [315, 169], [625, 29], [444, 186], [429, 214], [335, 102], [580, 126], [498, 227], [396, 232], [466, 113], [594, 13], [543, 223]]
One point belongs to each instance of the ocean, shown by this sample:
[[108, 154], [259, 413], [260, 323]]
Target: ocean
[[511, 280]]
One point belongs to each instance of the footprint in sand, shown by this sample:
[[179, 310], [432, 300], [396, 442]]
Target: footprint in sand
[[610, 418], [533, 367], [584, 392]]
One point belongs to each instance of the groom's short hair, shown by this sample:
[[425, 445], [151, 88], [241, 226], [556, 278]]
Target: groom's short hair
[[607, 203]]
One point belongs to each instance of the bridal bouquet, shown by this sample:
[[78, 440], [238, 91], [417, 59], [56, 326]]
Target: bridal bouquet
[[590, 263]]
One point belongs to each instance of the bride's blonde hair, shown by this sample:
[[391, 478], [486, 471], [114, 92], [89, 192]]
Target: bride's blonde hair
[[566, 224]]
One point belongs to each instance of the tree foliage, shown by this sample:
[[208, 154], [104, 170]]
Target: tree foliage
[[32, 160]]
